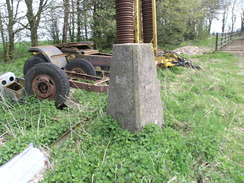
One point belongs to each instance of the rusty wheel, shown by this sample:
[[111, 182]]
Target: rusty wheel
[[81, 66], [44, 87], [47, 81]]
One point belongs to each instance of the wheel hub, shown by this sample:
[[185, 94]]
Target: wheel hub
[[44, 87], [78, 70]]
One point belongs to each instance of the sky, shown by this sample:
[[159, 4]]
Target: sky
[[238, 8], [217, 24]]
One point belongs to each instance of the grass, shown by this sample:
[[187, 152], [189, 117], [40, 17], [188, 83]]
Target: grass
[[16, 67], [19, 53], [207, 44], [201, 141], [21, 49]]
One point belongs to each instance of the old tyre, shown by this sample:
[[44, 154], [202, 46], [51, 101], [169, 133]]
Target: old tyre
[[47, 81], [81, 66], [32, 61]]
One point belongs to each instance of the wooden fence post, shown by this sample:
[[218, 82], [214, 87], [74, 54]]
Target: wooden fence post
[[216, 44]]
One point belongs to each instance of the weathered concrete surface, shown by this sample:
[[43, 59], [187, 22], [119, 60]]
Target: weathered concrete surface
[[134, 93]]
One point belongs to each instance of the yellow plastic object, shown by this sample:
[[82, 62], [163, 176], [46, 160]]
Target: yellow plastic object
[[164, 62]]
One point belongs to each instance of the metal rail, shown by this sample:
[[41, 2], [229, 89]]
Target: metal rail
[[223, 39]]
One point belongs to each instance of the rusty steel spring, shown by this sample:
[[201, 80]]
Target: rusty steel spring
[[147, 17], [124, 21]]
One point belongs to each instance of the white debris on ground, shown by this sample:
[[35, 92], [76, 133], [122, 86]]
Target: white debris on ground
[[39, 177], [27, 166], [189, 50]]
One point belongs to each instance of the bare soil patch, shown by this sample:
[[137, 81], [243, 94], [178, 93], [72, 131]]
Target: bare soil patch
[[189, 50]]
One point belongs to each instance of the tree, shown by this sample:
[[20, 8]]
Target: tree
[[84, 19], [225, 7], [11, 19], [241, 5], [52, 21], [212, 8], [4, 42], [66, 18], [34, 18], [233, 14], [78, 9], [103, 23], [11, 22], [242, 22], [178, 21], [72, 21]]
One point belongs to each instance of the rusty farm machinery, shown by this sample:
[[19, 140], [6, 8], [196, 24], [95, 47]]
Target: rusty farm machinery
[[52, 70]]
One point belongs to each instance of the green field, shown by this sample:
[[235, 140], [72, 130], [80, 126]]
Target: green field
[[201, 141]]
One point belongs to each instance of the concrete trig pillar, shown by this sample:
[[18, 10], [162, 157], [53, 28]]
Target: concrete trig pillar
[[134, 92]]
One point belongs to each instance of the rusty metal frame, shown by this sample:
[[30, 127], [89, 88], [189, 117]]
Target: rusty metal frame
[[97, 59], [84, 50], [99, 85], [89, 87]]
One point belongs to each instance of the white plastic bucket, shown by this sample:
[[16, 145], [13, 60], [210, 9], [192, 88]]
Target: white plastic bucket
[[7, 79]]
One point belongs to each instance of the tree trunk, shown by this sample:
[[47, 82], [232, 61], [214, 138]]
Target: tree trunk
[[34, 19], [223, 21], [209, 25], [242, 22], [10, 30], [11, 44], [78, 21], [11, 19], [51, 22], [86, 27], [56, 32], [233, 16], [94, 26], [34, 36], [5, 45], [73, 22], [66, 18]]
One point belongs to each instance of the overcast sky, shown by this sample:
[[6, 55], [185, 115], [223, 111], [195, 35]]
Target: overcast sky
[[217, 24]]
